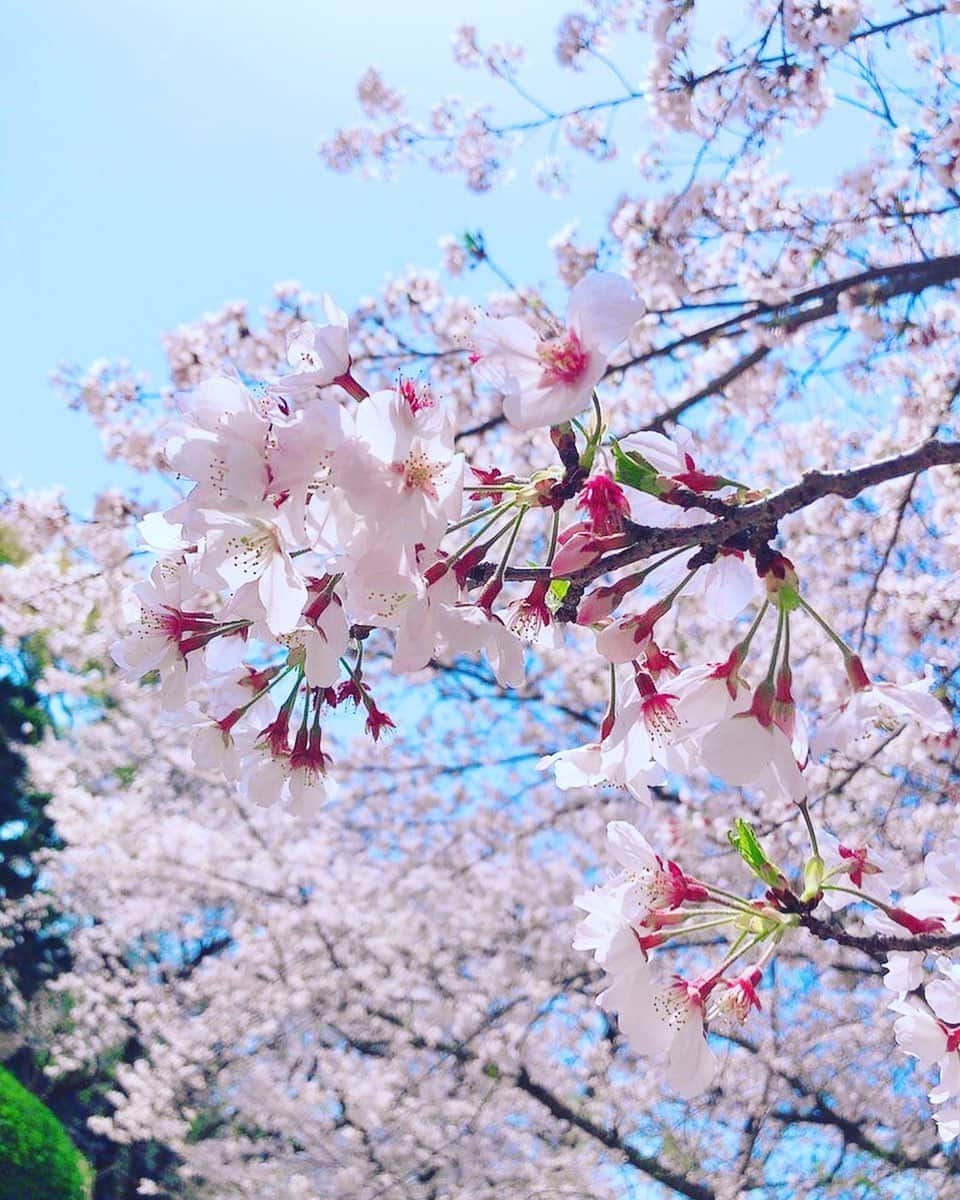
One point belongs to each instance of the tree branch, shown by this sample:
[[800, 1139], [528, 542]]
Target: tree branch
[[853, 1135], [877, 945], [612, 1139], [871, 287], [875, 286], [761, 517]]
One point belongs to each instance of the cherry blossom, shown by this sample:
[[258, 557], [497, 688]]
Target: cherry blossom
[[750, 748], [880, 705], [318, 354], [548, 380]]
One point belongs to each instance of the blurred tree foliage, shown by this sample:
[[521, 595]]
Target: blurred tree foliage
[[38, 947]]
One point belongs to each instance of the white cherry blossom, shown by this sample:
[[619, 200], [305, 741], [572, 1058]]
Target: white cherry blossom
[[545, 381]]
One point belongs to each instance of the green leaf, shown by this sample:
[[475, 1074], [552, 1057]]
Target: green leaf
[[474, 245], [743, 838], [558, 590], [11, 551], [92, 620], [125, 775], [634, 471]]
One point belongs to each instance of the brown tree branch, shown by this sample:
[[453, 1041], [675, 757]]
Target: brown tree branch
[[853, 1135], [713, 388], [760, 518], [870, 287], [612, 1139], [877, 945]]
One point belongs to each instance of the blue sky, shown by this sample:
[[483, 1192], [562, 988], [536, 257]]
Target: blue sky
[[158, 160]]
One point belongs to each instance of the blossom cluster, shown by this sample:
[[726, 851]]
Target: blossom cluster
[[928, 1022], [315, 519], [405, 949], [322, 517], [651, 901]]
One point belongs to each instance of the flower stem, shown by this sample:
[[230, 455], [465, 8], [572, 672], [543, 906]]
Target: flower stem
[[497, 514], [775, 652], [502, 568], [729, 898], [811, 832], [554, 532], [838, 641], [480, 514], [761, 613]]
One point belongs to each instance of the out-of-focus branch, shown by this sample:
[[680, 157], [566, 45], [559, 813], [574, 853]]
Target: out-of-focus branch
[[612, 1139], [865, 289]]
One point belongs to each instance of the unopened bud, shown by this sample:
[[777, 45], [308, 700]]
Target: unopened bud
[[812, 879], [856, 672]]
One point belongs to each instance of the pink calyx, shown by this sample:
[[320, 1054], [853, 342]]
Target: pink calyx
[[729, 670], [489, 478], [784, 709], [859, 864], [307, 754], [915, 924], [657, 661], [856, 673], [761, 707]]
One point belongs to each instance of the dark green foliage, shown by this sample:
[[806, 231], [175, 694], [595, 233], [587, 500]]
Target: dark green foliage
[[21, 722], [39, 950], [37, 1159]]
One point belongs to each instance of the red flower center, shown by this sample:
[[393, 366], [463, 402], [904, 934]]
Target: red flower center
[[564, 359]]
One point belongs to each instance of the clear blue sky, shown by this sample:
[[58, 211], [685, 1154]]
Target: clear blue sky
[[158, 159]]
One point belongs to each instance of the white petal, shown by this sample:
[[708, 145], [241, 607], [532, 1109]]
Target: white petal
[[603, 309], [282, 593], [913, 701], [690, 1064], [666, 455], [943, 996], [539, 407], [508, 349], [918, 1033], [630, 848], [729, 584]]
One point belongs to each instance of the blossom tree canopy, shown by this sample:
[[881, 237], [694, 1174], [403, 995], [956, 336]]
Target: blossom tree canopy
[[503, 665]]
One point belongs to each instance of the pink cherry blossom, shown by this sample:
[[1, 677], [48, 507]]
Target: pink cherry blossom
[[317, 354], [545, 381], [749, 749], [880, 705]]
